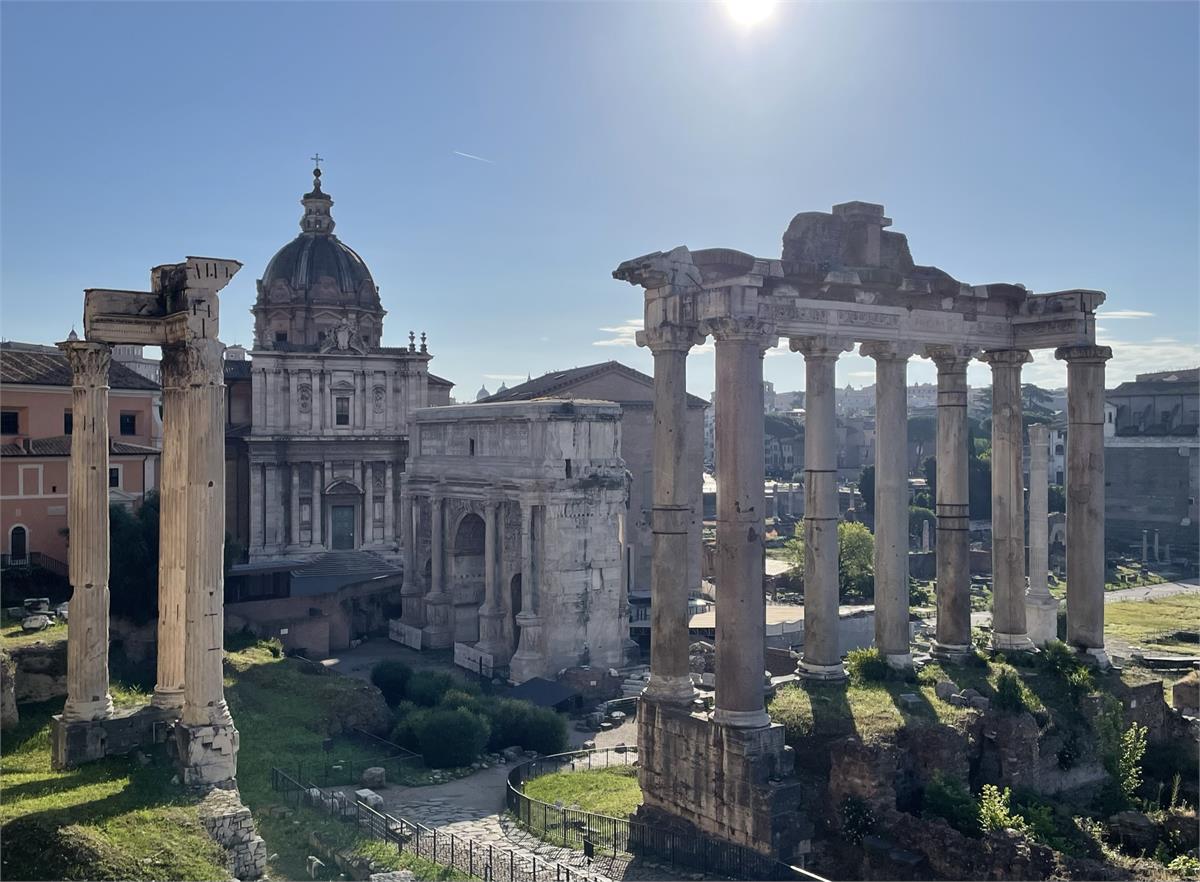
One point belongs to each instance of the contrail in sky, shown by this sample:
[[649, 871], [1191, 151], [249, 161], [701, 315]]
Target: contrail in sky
[[473, 156]]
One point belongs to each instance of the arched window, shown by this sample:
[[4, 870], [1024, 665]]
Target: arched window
[[18, 543]]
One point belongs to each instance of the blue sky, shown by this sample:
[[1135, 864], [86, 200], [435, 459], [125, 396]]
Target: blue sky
[[1049, 144]]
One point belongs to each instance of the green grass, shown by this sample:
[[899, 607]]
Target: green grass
[[1147, 623], [612, 792], [113, 819], [11, 635], [283, 709]]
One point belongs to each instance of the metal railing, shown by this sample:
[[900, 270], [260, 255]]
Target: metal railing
[[475, 859], [330, 769], [34, 559], [683, 851]]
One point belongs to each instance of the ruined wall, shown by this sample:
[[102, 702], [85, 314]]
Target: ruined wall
[[41, 671], [230, 824]]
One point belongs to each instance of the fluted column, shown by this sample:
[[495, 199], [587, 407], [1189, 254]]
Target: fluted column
[[1009, 630], [88, 697], [822, 659], [671, 514], [491, 613], [173, 531], [1085, 498], [741, 604], [208, 740], [891, 501], [953, 630], [294, 508], [1041, 610], [438, 634], [527, 661]]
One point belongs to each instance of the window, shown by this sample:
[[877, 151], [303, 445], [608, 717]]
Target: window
[[129, 424], [281, 336], [472, 447], [114, 477], [9, 422], [29, 480], [68, 424], [343, 411]]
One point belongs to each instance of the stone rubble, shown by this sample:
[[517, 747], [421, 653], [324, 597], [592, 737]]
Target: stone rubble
[[230, 824]]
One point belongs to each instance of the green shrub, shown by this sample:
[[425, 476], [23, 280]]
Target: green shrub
[[995, 813], [427, 687], [408, 721], [391, 678], [453, 698], [451, 737], [1010, 692], [949, 798], [867, 665], [857, 819], [1129, 762], [521, 724], [1185, 867]]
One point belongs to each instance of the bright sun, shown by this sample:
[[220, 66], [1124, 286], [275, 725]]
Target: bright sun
[[750, 12]]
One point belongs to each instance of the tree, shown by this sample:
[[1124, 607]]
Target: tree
[[866, 486], [133, 568], [1056, 498], [922, 434], [1035, 402], [856, 558], [918, 515]]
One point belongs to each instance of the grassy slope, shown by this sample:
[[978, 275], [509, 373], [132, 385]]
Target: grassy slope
[[11, 635], [282, 710], [612, 792], [109, 820]]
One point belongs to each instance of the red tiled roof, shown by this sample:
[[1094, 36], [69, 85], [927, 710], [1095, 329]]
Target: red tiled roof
[[60, 445], [43, 367]]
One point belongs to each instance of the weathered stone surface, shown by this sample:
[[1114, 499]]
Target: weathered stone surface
[[9, 716], [1185, 695], [1134, 831], [374, 777], [35, 623], [370, 797], [41, 671], [230, 824], [74, 742], [944, 689]]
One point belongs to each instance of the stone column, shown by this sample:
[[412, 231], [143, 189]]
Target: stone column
[[822, 659], [953, 632], [891, 501], [207, 739], [1085, 497], [389, 505], [491, 613], [1009, 629], [1157, 559], [87, 520], [173, 531], [318, 496], [257, 538], [438, 634], [1145, 546], [294, 514], [272, 509], [741, 604], [411, 591], [670, 677], [1041, 610], [527, 661], [368, 531]]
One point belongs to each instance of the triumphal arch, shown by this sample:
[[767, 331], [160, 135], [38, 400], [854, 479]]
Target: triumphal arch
[[180, 314], [843, 279]]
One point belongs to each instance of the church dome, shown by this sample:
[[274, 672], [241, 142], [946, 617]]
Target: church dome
[[314, 284]]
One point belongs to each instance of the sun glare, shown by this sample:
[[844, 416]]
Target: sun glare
[[748, 13]]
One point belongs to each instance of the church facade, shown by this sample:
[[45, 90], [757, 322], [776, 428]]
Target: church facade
[[319, 416]]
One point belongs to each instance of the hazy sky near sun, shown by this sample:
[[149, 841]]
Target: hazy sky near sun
[[493, 162]]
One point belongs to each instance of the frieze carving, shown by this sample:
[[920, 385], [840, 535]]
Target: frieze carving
[[305, 398], [859, 319], [89, 362], [344, 337], [746, 328]]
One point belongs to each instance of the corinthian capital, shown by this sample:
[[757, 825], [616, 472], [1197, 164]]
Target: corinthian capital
[[1006, 357], [1083, 354], [668, 338], [950, 359], [195, 363], [886, 350], [89, 362]]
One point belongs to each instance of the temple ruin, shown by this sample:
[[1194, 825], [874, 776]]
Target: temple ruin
[[181, 315], [842, 279]]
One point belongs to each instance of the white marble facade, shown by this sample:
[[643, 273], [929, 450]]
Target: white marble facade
[[516, 513]]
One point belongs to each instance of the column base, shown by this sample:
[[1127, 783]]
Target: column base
[[86, 711], [207, 755], [170, 700], [758, 719], [1012, 642], [1041, 618], [807, 670], [900, 661], [956, 653], [1095, 655], [670, 690], [491, 633]]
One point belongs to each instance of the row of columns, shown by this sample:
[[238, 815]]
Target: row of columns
[[192, 535], [430, 607], [740, 631]]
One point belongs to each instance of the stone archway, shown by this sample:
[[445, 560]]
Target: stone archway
[[466, 576]]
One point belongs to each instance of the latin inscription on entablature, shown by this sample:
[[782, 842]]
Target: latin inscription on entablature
[[433, 440], [855, 318]]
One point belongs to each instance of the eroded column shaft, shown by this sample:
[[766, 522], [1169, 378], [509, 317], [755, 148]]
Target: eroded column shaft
[[953, 635], [173, 533]]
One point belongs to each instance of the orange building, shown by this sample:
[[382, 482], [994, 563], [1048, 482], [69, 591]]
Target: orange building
[[35, 431]]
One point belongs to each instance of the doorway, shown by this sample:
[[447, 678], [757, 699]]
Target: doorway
[[18, 548], [342, 522]]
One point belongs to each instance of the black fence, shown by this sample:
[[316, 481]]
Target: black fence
[[683, 852], [337, 765], [475, 859]]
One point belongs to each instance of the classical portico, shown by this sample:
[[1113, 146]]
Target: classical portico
[[843, 279], [181, 315]]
